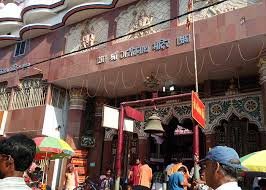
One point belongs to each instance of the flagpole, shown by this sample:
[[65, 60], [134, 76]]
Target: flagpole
[[194, 48], [196, 127]]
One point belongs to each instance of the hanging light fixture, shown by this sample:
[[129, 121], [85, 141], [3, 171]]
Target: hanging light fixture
[[151, 82], [154, 125]]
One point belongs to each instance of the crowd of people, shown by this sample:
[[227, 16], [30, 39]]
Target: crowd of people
[[218, 171]]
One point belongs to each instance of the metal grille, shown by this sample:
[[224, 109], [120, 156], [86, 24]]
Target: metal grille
[[4, 99], [32, 93], [30, 97], [220, 135], [252, 140], [58, 97]]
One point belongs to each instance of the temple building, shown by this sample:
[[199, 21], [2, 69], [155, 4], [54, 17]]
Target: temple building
[[62, 60]]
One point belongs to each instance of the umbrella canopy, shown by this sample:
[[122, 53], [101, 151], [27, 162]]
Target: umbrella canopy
[[255, 162], [52, 148]]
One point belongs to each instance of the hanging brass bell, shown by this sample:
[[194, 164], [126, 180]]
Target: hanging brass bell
[[154, 125]]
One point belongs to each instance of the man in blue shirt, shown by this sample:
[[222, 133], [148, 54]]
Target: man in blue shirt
[[176, 180]]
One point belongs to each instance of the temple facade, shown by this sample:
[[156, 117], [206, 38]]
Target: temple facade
[[62, 60]]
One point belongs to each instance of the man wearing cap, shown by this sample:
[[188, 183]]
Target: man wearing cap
[[222, 166]]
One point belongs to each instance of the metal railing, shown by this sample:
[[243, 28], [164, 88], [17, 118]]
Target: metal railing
[[4, 99], [29, 97]]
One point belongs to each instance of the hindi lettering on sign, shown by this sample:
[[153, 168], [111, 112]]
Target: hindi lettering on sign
[[181, 40], [198, 109], [159, 45]]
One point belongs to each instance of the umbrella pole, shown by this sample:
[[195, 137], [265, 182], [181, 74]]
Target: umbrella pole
[[44, 169]]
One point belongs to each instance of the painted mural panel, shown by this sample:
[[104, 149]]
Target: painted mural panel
[[86, 34], [143, 14], [212, 11]]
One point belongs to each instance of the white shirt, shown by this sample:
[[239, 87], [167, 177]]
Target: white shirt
[[13, 183], [229, 186]]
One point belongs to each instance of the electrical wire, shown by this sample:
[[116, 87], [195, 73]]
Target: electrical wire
[[122, 36]]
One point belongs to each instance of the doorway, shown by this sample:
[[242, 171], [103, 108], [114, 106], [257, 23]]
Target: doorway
[[239, 134], [174, 145]]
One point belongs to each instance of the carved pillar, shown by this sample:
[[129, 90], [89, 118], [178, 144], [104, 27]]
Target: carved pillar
[[210, 141], [77, 103], [96, 158], [262, 72]]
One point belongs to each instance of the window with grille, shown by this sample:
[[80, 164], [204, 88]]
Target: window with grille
[[31, 93], [20, 48], [252, 138], [4, 96], [220, 135]]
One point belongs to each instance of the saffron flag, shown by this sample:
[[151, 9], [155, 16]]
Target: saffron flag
[[198, 109]]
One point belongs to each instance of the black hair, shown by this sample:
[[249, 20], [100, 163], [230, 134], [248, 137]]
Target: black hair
[[137, 158], [146, 161], [176, 160], [22, 150], [182, 169]]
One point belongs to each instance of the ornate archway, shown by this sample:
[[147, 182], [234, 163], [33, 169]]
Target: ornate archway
[[239, 134], [243, 106]]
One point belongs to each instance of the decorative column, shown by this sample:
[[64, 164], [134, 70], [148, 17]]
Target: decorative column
[[96, 158], [210, 141], [262, 72], [77, 103]]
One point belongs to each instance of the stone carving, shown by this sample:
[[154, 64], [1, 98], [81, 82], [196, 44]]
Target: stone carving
[[142, 15], [232, 89], [262, 69], [87, 37], [140, 21], [77, 99], [213, 10], [87, 34], [217, 109], [17, 2], [243, 106]]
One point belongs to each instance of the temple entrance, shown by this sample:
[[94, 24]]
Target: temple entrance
[[176, 143], [239, 134]]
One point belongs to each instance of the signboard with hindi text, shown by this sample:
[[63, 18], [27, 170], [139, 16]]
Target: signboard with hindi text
[[198, 109]]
